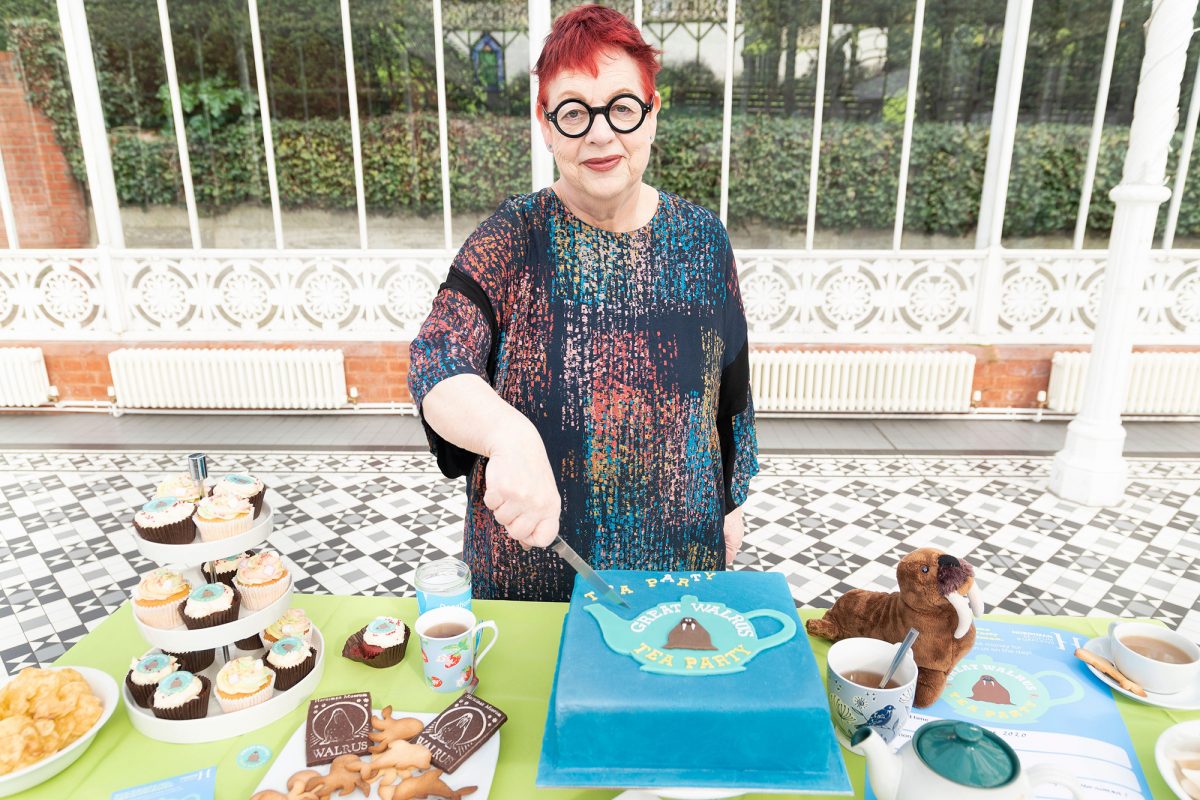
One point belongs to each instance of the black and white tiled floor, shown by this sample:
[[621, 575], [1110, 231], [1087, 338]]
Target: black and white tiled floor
[[361, 522]]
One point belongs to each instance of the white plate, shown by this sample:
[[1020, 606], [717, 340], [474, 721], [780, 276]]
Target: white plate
[[1173, 738], [219, 725], [198, 552], [248, 623], [1187, 700], [478, 770], [104, 687]]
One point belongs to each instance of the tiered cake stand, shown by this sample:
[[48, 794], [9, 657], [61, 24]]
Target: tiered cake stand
[[218, 724]]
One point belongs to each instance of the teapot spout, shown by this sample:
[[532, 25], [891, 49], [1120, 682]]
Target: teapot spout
[[616, 631], [883, 766]]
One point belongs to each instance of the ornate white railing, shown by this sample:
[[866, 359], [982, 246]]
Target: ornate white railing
[[905, 297]]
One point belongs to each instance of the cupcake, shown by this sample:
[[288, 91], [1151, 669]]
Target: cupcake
[[254, 642], [262, 579], [244, 682], [180, 486], [194, 661], [291, 658], [294, 622], [209, 605], [159, 597], [222, 570], [146, 673], [222, 516], [181, 695], [380, 644], [247, 487], [166, 520]]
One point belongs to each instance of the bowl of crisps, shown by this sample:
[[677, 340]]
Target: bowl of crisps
[[48, 718]]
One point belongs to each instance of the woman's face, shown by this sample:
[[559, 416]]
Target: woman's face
[[602, 164]]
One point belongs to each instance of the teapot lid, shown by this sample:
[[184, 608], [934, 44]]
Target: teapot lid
[[966, 754]]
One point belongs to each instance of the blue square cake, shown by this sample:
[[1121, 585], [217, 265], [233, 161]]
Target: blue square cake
[[708, 682]]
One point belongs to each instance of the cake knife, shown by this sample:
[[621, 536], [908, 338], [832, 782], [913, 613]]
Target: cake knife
[[603, 590]]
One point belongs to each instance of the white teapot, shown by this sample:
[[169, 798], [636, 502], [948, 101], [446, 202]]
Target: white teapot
[[945, 758]]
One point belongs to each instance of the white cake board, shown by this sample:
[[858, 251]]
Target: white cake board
[[219, 725]]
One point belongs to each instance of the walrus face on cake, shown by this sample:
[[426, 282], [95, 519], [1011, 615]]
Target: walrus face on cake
[[929, 579]]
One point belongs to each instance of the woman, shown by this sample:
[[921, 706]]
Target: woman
[[590, 343]]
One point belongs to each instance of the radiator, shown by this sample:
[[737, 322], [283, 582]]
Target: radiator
[[879, 382], [228, 379], [1159, 383], [23, 379]]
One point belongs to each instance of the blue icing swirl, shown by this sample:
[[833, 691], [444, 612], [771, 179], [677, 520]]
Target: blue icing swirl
[[160, 503], [286, 645], [381, 625], [239, 478], [175, 683], [154, 663], [208, 592]]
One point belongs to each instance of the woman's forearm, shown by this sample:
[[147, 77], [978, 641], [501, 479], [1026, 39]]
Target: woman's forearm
[[466, 411]]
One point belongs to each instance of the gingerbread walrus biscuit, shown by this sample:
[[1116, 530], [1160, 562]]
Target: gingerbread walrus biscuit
[[938, 596]]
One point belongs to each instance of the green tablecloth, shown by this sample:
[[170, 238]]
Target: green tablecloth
[[516, 677]]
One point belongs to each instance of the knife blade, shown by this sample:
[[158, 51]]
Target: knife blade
[[603, 590]]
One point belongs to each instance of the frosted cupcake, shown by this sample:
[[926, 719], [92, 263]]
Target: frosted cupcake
[[159, 597], [222, 570], [181, 695], [166, 520], [209, 605], [193, 660], [294, 622], [291, 659], [379, 644], [180, 486], [262, 579], [146, 673], [244, 682], [222, 516], [247, 487]]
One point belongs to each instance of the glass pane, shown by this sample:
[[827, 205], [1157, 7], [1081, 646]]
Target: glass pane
[[487, 98], [397, 111], [39, 140], [960, 59], [865, 82], [686, 155], [774, 90], [127, 46], [218, 90]]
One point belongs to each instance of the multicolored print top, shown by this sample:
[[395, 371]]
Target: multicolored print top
[[628, 352]]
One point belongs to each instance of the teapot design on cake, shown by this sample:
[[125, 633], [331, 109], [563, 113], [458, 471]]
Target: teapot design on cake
[[691, 636]]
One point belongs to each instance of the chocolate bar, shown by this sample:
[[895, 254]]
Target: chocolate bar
[[454, 735], [337, 726]]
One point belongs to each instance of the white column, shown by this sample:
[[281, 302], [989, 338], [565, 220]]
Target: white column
[[542, 163], [727, 106], [1090, 468], [439, 62]]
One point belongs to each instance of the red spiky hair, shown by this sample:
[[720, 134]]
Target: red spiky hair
[[579, 37]]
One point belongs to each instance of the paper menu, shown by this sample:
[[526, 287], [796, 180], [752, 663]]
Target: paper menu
[[1024, 684]]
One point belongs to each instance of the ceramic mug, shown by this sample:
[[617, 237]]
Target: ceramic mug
[[450, 661], [1154, 676], [852, 705]]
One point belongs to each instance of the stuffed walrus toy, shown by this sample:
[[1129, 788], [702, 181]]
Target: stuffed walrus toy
[[938, 596]]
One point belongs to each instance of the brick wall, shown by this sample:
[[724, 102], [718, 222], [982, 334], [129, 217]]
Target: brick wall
[[48, 202], [1008, 376]]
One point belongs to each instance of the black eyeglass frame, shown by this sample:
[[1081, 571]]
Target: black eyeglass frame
[[594, 111]]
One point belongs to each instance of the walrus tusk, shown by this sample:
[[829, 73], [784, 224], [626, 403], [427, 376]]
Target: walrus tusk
[[965, 617], [976, 598]]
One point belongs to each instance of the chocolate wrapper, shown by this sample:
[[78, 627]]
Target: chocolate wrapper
[[194, 661], [182, 532], [195, 708], [257, 500], [219, 618], [356, 649], [287, 677], [249, 643], [142, 695]]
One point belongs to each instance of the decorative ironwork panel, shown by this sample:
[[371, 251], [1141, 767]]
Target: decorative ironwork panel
[[52, 295]]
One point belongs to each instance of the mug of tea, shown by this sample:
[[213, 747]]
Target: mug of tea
[[450, 637], [854, 669], [1161, 660]]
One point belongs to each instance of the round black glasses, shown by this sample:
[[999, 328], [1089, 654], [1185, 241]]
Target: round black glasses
[[625, 114]]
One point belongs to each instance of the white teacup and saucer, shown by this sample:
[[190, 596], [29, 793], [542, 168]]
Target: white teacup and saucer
[[1135, 666]]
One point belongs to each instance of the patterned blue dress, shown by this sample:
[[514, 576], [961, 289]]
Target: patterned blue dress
[[628, 352]]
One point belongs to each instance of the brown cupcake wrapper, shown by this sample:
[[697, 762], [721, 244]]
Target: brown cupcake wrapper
[[142, 695], [254, 642], [195, 660], [181, 532], [195, 708], [287, 677], [390, 657], [257, 500], [212, 620]]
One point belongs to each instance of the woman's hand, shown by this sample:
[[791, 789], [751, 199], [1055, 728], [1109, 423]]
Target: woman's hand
[[735, 529], [521, 490]]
